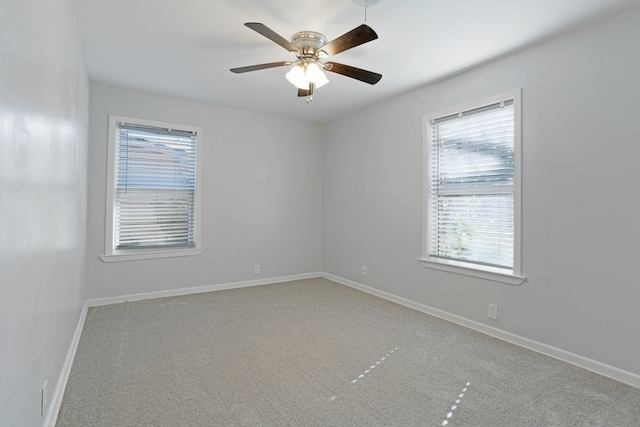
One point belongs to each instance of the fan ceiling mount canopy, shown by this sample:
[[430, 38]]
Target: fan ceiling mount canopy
[[310, 48], [309, 43]]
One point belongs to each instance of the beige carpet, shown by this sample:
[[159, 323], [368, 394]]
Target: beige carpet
[[317, 353]]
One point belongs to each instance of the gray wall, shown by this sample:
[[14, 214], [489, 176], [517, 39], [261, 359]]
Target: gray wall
[[581, 103], [261, 193], [43, 156], [268, 198]]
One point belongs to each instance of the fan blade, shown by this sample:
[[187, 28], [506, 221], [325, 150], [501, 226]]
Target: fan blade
[[356, 37], [272, 35], [353, 72], [306, 92], [260, 67]]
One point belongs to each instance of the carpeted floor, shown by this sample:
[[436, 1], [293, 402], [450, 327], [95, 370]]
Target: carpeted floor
[[317, 353]]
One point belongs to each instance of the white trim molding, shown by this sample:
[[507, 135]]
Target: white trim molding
[[130, 256], [557, 353], [511, 275], [56, 401], [58, 394], [574, 359], [482, 272], [113, 254], [199, 289]]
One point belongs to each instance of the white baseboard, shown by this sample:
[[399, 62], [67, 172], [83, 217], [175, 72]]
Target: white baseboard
[[580, 361], [583, 362], [55, 401], [199, 289]]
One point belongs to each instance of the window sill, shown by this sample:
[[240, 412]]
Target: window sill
[[488, 273], [134, 256]]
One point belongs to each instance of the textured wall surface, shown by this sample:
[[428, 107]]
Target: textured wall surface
[[43, 157], [581, 98]]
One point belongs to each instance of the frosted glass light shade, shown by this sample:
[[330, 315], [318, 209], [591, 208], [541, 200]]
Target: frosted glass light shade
[[301, 75], [316, 76], [297, 77]]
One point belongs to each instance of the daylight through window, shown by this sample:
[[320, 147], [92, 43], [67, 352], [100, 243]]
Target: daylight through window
[[471, 186], [154, 192]]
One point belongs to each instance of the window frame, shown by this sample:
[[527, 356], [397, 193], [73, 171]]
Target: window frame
[[111, 254], [504, 275]]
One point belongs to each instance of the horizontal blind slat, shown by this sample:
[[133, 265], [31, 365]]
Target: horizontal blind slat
[[473, 153], [155, 194]]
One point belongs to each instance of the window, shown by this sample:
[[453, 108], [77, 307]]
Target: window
[[472, 191], [152, 190]]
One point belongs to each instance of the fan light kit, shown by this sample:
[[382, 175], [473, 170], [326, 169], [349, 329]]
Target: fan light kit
[[305, 71], [310, 47]]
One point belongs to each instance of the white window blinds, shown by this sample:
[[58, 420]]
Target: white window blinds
[[471, 186], [155, 187]]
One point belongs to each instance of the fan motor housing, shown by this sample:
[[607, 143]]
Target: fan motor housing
[[309, 42]]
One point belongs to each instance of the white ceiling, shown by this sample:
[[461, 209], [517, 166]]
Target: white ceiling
[[184, 48]]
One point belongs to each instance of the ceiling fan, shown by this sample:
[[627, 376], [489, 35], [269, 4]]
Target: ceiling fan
[[310, 48]]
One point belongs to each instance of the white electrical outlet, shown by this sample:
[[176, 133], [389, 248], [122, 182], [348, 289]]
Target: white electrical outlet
[[364, 270], [493, 311], [256, 269], [44, 399]]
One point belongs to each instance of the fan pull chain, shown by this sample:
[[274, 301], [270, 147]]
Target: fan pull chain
[[310, 92], [366, 4]]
